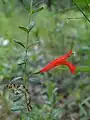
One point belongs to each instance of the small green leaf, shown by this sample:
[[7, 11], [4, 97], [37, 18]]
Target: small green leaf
[[35, 81], [33, 44], [17, 98], [24, 29], [30, 26], [17, 108], [37, 10], [18, 42], [82, 110], [27, 4], [21, 63], [50, 87], [83, 2], [15, 79], [83, 69]]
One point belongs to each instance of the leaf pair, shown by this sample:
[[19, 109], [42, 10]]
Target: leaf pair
[[37, 10], [28, 6], [28, 28], [21, 44]]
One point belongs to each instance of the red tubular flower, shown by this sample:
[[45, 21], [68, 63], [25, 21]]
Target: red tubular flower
[[60, 61]]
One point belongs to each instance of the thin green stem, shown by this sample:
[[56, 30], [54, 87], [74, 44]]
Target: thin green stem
[[26, 58], [81, 11], [25, 68], [73, 18], [87, 3]]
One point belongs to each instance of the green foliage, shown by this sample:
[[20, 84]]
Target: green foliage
[[82, 1], [51, 35], [37, 10], [19, 43], [83, 69]]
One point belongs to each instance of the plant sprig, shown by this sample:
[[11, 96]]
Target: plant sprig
[[26, 47]]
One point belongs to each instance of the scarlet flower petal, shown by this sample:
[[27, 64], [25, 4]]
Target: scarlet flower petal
[[71, 66], [64, 57], [50, 66]]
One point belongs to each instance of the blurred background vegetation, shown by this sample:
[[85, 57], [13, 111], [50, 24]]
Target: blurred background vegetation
[[59, 27]]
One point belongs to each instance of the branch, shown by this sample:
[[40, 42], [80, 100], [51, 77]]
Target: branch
[[81, 11]]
